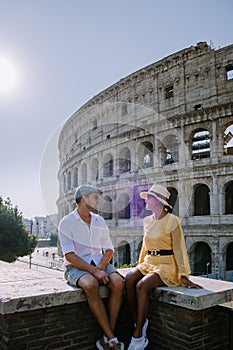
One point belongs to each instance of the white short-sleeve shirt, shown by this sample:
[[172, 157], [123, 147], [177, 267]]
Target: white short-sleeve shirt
[[85, 241]]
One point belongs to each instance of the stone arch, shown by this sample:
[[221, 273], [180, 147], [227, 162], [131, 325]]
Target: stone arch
[[228, 139], [147, 160], [69, 180], [201, 200], [124, 253], [106, 207], [94, 169], [83, 173], [64, 183], [229, 198], [124, 160], [200, 144], [174, 200], [200, 259], [229, 255], [75, 177], [171, 149], [124, 206], [108, 165]]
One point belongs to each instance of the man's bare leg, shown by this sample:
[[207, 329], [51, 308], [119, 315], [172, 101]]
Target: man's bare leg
[[91, 287], [116, 286]]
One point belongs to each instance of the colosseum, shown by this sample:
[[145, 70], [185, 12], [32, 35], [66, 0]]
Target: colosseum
[[169, 123]]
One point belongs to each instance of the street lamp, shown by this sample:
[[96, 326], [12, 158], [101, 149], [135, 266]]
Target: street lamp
[[30, 256]]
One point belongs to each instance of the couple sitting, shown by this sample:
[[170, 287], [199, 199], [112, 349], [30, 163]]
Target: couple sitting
[[88, 250]]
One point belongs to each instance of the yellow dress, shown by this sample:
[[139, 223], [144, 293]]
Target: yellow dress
[[165, 233]]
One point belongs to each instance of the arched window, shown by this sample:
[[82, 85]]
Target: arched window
[[229, 255], [106, 207], [124, 206], [124, 253], [69, 181], [148, 150], [64, 183], [94, 169], [173, 200], [201, 200], [125, 160], [75, 178], [83, 173], [201, 144], [94, 123], [228, 140], [229, 198], [108, 165], [171, 149], [201, 257]]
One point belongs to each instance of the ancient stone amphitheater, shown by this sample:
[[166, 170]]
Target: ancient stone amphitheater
[[169, 123]]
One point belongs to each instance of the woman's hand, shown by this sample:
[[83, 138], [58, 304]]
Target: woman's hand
[[189, 284]]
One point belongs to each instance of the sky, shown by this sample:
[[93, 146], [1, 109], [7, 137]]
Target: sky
[[55, 55]]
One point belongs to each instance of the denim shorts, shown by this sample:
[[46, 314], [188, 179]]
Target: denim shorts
[[73, 274]]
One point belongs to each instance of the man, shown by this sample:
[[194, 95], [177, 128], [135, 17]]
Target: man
[[87, 249]]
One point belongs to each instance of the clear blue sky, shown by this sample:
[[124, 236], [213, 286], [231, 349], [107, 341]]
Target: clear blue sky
[[60, 53]]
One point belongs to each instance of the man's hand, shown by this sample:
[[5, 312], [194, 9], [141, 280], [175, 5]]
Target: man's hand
[[101, 276]]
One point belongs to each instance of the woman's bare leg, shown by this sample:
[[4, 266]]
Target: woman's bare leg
[[131, 281], [143, 287]]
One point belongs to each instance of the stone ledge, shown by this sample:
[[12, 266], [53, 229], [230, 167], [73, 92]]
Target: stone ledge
[[24, 289]]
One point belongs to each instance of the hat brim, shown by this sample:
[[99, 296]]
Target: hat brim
[[144, 195]]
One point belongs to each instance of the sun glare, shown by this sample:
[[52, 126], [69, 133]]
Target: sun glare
[[8, 76]]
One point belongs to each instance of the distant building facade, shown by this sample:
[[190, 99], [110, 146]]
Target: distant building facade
[[41, 226], [169, 123]]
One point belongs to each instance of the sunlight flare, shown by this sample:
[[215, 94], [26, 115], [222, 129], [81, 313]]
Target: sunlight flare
[[8, 76]]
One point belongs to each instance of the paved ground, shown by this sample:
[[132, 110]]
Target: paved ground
[[46, 257]]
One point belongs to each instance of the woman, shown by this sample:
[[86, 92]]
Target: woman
[[163, 260]]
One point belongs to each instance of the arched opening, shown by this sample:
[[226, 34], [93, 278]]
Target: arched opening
[[229, 263], [201, 258], [201, 144], [173, 200], [69, 180], [83, 174], [201, 200], [229, 198], [75, 177], [229, 257], [108, 165], [148, 150], [106, 207], [124, 206], [94, 170], [124, 253], [125, 160], [228, 140], [171, 149], [64, 183]]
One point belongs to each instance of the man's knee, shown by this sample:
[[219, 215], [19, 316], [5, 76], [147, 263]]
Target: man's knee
[[117, 282], [89, 284]]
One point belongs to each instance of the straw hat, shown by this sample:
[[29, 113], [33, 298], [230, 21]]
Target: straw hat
[[159, 192]]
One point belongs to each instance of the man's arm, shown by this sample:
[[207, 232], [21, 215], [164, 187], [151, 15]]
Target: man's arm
[[107, 256]]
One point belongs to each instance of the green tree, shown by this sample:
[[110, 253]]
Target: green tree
[[15, 240]]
